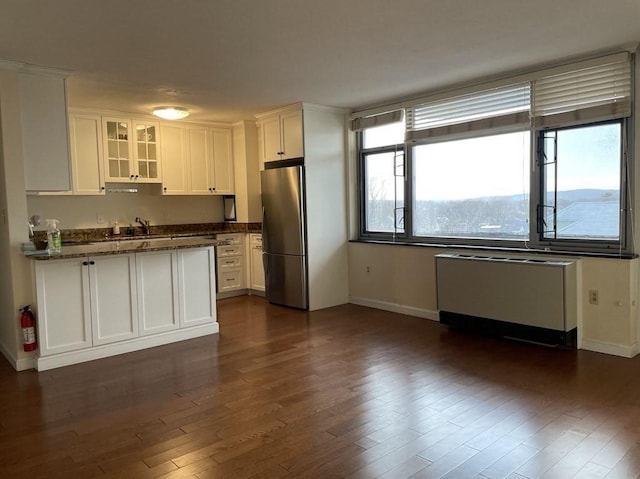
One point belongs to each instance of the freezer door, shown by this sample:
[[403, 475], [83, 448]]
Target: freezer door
[[286, 280], [282, 211]]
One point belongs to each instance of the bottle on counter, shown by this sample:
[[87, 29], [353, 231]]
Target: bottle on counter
[[116, 227], [54, 237]]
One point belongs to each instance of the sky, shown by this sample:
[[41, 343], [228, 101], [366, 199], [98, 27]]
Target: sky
[[500, 165]]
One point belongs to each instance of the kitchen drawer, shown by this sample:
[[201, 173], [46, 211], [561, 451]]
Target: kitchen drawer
[[229, 280], [230, 250], [255, 239], [230, 238], [230, 262]]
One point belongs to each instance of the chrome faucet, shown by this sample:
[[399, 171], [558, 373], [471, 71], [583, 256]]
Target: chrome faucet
[[144, 223]]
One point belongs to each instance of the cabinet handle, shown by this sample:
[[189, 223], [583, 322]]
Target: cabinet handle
[[231, 279]]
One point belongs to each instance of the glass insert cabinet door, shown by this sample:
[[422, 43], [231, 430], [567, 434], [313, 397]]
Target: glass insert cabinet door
[[118, 149], [131, 150], [146, 151]]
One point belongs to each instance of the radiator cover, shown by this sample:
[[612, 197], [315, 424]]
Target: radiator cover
[[526, 298]]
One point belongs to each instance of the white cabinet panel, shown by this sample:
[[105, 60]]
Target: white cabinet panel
[[196, 272], [174, 159], [64, 313], [292, 138], [199, 161], [45, 137], [114, 299], [157, 281], [257, 265], [86, 154], [221, 172]]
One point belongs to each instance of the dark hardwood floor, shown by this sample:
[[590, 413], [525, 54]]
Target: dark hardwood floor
[[345, 392]]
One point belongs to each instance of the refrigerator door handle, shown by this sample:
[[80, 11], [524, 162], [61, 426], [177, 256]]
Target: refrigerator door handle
[[265, 236]]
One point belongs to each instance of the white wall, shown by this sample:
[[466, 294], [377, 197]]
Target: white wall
[[15, 270], [148, 203], [247, 172], [402, 279]]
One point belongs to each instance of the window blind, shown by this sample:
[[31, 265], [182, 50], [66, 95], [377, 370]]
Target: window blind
[[358, 124], [501, 107], [595, 93]]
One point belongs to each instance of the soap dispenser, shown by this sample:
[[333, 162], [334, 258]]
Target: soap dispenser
[[54, 237]]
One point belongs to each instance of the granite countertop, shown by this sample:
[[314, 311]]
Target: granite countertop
[[100, 248]]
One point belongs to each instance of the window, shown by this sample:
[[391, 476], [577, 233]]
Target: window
[[383, 174], [580, 171], [473, 188], [538, 163]]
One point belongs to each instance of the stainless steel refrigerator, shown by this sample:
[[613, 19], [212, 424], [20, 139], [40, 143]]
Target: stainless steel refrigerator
[[284, 243]]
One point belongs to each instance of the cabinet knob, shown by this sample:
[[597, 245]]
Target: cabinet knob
[[131, 177], [102, 188], [165, 188], [85, 263], [92, 262]]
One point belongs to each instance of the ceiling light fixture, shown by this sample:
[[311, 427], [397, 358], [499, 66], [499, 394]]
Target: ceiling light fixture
[[171, 112]]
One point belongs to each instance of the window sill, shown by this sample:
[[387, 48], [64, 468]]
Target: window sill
[[535, 251]]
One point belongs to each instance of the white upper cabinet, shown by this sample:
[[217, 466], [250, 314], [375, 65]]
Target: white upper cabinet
[[221, 165], [45, 138], [197, 160], [131, 150], [174, 159], [85, 134], [282, 136]]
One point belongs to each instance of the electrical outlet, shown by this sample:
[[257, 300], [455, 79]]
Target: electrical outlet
[[100, 219], [593, 296]]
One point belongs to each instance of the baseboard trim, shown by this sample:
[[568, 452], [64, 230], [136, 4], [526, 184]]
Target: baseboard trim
[[232, 294], [609, 348], [18, 364], [106, 350], [395, 308]]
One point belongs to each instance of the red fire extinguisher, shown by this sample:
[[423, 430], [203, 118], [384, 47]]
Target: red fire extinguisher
[[28, 324]]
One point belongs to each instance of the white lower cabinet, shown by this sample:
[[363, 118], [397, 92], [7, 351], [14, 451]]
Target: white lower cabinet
[[231, 264], [63, 306], [257, 265], [112, 284], [94, 307], [157, 282], [196, 270]]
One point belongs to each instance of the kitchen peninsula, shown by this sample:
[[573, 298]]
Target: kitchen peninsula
[[110, 297]]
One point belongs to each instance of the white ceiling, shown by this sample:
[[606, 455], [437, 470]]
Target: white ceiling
[[229, 59]]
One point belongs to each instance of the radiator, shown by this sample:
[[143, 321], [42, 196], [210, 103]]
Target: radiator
[[526, 298]]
